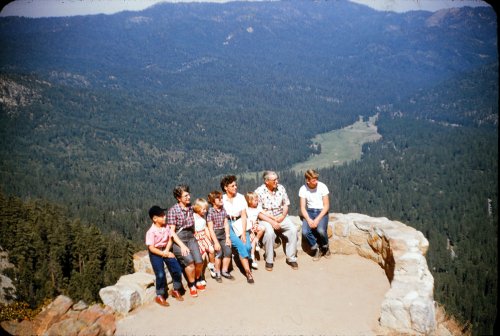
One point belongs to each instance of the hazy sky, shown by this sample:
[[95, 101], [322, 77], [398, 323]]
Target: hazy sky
[[47, 8], [428, 5]]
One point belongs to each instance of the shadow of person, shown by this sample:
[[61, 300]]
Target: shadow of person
[[305, 244], [237, 261]]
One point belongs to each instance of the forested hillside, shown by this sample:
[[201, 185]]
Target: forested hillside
[[54, 254], [101, 116]]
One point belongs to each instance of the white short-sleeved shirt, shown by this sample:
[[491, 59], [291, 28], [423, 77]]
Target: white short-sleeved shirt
[[252, 215], [235, 207], [199, 223], [314, 197]]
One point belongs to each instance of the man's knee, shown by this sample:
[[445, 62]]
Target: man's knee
[[291, 231]]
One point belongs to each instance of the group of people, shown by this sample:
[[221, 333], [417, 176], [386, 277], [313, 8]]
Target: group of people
[[229, 222]]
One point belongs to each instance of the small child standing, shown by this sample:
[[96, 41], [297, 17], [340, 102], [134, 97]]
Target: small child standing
[[159, 242], [219, 231], [257, 230], [202, 235]]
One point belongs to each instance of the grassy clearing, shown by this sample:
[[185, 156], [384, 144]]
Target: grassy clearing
[[341, 146], [337, 147]]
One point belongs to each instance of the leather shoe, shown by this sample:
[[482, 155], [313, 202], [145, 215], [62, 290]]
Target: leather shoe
[[250, 279], [293, 264], [269, 267], [227, 275], [161, 301], [177, 295]]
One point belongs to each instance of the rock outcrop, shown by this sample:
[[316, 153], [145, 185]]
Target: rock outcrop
[[7, 289], [62, 317]]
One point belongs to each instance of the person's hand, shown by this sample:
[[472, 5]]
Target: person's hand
[[276, 225], [217, 246], [243, 238], [185, 250], [313, 223], [170, 255], [228, 242]]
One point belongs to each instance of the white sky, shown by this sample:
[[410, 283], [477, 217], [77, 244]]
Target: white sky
[[51, 8]]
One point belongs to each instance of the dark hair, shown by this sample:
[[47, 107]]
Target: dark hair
[[213, 195], [227, 180], [179, 189], [155, 210]]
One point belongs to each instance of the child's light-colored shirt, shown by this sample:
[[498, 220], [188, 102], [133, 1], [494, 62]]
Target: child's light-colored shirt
[[199, 223], [252, 215], [158, 236]]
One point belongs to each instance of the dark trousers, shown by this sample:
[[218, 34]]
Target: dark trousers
[[174, 269]]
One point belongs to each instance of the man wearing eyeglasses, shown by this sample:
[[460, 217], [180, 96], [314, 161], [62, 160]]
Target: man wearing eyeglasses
[[275, 202]]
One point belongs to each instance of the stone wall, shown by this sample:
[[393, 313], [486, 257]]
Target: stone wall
[[408, 306]]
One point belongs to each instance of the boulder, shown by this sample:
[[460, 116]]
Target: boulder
[[51, 314], [122, 299]]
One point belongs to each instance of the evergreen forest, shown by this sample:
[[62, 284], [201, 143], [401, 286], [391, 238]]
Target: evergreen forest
[[101, 116]]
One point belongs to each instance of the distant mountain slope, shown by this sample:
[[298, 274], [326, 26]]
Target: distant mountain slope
[[334, 47], [468, 99]]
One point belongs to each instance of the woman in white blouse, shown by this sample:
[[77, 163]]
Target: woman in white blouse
[[235, 206]]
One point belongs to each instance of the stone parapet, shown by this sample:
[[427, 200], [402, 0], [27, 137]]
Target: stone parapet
[[408, 306]]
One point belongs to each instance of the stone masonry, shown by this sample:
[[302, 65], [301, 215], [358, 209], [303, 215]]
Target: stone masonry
[[408, 306]]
